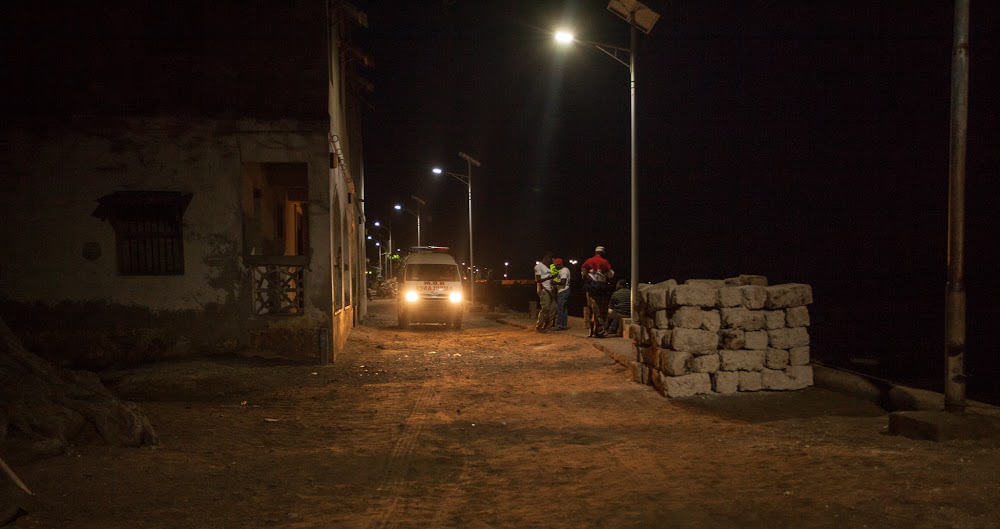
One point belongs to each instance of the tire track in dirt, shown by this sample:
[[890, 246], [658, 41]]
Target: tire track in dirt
[[394, 469], [393, 480]]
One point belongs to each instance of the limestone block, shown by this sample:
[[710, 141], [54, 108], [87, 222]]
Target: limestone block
[[711, 320], [725, 381], [693, 295], [661, 320], [735, 339], [798, 356], [776, 359], [734, 317], [656, 380], [730, 297], [649, 356], [788, 295], [640, 373], [659, 337], [750, 380], [687, 385], [644, 336], [751, 297], [797, 317], [754, 297], [743, 360], [742, 318], [756, 340], [788, 337], [674, 363], [746, 279], [704, 363], [639, 305], [802, 376], [774, 319], [695, 341], [713, 283], [656, 299], [687, 317], [749, 279], [635, 331], [776, 380], [694, 318], [626, 328]]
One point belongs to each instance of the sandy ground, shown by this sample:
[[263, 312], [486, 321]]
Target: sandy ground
[[497, 426]]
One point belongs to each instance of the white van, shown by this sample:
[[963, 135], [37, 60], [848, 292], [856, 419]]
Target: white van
[[430, 288]]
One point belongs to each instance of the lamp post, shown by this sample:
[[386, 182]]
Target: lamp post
[[505, 265], [467, 180], [639, 17], [389, 249], [420, 203]]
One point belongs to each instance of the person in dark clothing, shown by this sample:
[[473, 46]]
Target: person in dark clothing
[[621, 307], [596, 274]]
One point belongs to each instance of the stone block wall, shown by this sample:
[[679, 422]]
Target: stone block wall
[[721, 336]]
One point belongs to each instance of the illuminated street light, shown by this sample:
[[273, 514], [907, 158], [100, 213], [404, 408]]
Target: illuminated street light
[[564, 37], [420, 203], [388, 250], [505, 265], [641, 18], [467, 180]]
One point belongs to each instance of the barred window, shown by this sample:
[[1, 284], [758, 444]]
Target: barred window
[[148, 230]]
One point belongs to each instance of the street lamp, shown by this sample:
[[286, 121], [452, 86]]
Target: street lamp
[[467, 180], [420, 203], [389, 249], [642, 18], [505, 265]]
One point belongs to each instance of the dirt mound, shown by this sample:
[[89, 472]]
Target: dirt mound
[[44, 408]]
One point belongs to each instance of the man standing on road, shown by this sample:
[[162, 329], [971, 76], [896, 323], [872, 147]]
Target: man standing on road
[[546, 294], [596, 273], [562, 296]]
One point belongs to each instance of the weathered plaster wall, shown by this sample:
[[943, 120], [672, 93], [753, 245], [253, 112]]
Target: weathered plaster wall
[[51, 184]]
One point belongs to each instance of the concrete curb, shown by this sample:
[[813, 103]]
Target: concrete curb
[[888, 395]]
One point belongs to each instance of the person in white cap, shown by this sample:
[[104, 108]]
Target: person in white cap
[[546, 294], [597, 272]]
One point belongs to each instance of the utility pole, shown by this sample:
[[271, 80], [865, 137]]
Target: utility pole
[[955, 324]]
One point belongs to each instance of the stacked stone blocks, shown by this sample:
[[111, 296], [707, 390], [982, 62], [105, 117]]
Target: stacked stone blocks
[[721, 336]]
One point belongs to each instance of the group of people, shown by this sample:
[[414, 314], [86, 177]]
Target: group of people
[[552, 281], [552, 278]]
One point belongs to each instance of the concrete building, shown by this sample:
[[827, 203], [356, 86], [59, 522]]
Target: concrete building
[[183, 178]]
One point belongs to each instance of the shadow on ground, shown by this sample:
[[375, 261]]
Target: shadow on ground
[[779, 406]]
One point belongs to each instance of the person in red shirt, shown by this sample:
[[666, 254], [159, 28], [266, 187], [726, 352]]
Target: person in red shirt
[[597, 272]]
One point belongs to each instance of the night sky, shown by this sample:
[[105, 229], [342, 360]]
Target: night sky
[[806, 141], [782, 138]]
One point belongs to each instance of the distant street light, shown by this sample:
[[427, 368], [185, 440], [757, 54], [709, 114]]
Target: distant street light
[[505, 265], [388, 250], [420, 203], [642, 18], [467, 180]]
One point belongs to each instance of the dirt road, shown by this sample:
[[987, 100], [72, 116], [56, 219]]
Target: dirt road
[[497, 426]]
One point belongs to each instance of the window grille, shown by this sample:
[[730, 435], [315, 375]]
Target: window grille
[[149, 237]]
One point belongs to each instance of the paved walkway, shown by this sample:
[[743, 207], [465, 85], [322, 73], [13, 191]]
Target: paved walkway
[[616, 347]]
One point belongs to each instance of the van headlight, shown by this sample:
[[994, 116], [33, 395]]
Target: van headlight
[[411, 296], [455, 297]]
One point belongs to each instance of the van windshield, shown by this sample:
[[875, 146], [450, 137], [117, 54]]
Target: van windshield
[[432, 272]]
